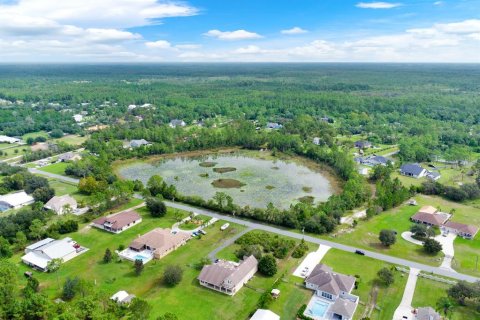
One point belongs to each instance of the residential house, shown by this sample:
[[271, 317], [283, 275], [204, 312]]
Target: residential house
[[159, 242], [78, 117], [427, 313], [15, 200], [274, 125], [335, 290], [139, 143], [177, 123], [39, 254], [373, 161], [6, 139], [413, 170], [263, 314], [430, 216], [122, 297], [226, 276], [119, 222], [433, 175], [362, 144], [466, 231], [59, 204], [69, 156]]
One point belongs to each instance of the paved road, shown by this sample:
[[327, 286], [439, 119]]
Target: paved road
[[375, 255], [54, 176], [212, 255]]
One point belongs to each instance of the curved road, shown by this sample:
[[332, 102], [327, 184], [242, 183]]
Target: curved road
[[259, 226]]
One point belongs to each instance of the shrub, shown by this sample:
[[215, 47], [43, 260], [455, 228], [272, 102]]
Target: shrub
[[387, 237], [267, 266], [156, 207], [432, 246], [385, 276], [172, 275]]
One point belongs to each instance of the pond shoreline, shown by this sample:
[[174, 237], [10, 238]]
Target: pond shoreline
[[335, 182]]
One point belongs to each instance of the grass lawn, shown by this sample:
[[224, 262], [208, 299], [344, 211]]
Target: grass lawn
[[56, 168], [14, 152], [35, 134], [427, 293], [188, 299], [365, 235], [72, 139], [388, 299], [408, 181]]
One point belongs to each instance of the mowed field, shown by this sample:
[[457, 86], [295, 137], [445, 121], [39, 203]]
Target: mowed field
[[365, 234], [428, 292]]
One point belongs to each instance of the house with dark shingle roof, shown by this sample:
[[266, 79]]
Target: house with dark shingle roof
[[413, 170], [119, 222], [226, 276], [336, 289], [362, 144], [373, 160]]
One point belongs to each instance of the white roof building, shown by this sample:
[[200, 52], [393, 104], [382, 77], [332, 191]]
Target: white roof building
[[78, 117], [16, 200], [39, 254], [263, 314], [8, 139], [59, 203], [122, 297]]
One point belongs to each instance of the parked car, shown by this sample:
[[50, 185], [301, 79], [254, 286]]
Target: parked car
[[360, 252]]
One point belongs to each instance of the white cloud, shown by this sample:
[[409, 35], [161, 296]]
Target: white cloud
[[232, 35], [188, 46], [438, 3], [294, 30], [377, 5], [99, 13], [251, 49], [159, 44]]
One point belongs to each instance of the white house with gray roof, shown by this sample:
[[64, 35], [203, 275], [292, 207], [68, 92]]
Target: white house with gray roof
[[413, 170], [39, 254], [333, 290], [226, 276]]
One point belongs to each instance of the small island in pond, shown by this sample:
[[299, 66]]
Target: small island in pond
[[227, 183]]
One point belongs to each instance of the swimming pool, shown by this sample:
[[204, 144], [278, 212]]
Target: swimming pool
[[140, 257], [317, 309]]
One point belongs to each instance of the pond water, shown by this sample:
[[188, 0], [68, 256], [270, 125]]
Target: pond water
[[260, 181]]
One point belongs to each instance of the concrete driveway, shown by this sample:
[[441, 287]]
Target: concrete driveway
[[404, 310], [310, 261], [447, 249]]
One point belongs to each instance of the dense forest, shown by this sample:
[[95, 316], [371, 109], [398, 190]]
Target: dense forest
[[436, 104]]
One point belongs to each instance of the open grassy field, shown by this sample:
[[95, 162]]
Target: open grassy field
[[72, 139], [35, 134], [188, 299], [387, 299], [56, 168], [13, 152], [365, 235], [428, 292]]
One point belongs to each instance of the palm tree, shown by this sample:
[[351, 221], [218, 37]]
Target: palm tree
[[445, 304]]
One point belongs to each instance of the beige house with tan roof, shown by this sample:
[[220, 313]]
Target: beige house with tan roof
[[119, 222], [61, 204], [226, 276], [159, 242]]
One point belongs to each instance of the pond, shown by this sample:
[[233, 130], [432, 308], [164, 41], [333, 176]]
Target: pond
[[249, 180]]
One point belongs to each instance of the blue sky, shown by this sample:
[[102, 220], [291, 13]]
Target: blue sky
[[247, 30]]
